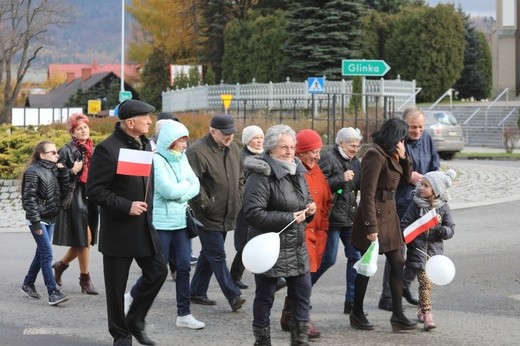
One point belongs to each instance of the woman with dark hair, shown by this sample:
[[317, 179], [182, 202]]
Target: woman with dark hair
[[44, 184], [77, 223], [382, 166]]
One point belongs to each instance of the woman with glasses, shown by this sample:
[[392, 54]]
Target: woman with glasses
[[275, 196], [384, 164], [77, 223], [45, 182]]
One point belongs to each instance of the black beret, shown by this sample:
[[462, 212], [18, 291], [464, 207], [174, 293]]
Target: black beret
[[166, 116], [224, 123], [131, 108]]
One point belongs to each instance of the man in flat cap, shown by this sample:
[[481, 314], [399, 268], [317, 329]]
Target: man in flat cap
[[126, 231], [215, 158]]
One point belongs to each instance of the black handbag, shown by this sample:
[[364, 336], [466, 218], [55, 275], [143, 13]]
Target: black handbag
[[67, 201], [193, 224]]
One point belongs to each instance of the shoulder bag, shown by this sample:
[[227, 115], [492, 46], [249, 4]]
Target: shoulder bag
[[193, 225]]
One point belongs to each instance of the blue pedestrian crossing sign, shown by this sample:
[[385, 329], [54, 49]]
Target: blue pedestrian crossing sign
[[316, 85]]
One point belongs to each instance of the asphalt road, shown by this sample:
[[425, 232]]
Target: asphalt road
[[480, 307]]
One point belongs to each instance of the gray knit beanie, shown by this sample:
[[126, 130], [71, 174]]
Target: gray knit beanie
[[250, 132], [440, 181]]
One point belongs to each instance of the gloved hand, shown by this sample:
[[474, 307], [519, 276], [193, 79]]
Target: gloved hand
[[437, 233]]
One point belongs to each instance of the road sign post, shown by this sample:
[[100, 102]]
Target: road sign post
[[226, 100], [94, 107], [125, 95], [366, 68]]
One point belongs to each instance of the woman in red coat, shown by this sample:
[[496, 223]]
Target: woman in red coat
[[382, 166]]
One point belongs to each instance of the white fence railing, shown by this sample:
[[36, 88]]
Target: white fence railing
[[41, 116], [208, 96]]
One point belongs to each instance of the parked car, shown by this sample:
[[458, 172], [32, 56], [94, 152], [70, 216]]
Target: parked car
[[446, 133]]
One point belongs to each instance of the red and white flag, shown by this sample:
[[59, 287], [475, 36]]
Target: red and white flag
[[420, 225], [134, 162]]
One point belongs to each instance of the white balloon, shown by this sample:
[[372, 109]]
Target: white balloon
[[261, 253], [440, 270]]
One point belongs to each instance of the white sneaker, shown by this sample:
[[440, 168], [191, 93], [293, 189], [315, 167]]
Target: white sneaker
[[128, 301], [190, 322]]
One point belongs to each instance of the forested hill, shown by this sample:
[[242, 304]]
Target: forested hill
[[94, 34]]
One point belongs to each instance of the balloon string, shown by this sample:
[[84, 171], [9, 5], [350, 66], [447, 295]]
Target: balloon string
[[423, 252], [290, 223]]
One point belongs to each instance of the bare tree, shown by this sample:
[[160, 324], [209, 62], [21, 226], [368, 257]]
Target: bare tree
[[24, 26]]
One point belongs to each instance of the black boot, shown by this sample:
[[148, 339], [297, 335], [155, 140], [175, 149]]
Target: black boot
[[407, 294], [262, 336], [299, 333], [285, 320]]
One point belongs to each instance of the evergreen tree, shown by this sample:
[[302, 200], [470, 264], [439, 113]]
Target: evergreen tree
[[215, 15], [155, 78], [237, 54], [320, 34], [252, 49], [475, 80], [391, 6], [427, 45]]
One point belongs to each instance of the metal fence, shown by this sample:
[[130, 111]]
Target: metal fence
[[287, 95]]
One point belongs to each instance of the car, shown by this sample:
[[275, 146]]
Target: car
[[445, 132]]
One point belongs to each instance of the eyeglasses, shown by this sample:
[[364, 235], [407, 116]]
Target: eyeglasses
[[287, 148], [53, 152]]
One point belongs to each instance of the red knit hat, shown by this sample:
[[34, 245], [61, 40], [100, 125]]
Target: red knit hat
[[307, 140]]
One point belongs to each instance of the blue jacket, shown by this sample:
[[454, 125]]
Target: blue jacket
[[175, 181], [424, 159]]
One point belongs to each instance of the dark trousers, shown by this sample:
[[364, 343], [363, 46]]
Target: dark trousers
[[116, 270], [396, 261], [409, 275], [212, 260], [237, 267], [298, 289]]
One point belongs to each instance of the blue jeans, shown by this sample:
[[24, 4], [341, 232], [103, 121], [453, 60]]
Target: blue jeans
[[331, 252], [212, 260], [42, 259], [178, 243]]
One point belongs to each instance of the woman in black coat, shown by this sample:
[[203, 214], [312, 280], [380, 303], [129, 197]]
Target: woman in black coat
[[276, 194], [45, 183], [78, 221], [253, 141]]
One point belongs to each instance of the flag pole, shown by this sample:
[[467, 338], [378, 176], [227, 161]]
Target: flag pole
[[146, 190]]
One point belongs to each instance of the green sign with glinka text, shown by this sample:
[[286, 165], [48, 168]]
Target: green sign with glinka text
[[368, 68]]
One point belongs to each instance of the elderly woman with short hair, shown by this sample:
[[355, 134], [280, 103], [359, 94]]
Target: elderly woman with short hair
[[342, 169], [276, 194]]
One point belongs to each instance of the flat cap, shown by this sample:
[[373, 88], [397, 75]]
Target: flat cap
[[224, 123], [131, 108], [167, 116]]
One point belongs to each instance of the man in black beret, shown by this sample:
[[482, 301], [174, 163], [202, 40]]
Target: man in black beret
[[126, 231]]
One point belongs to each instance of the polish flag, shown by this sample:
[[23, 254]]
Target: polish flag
[[134, 162], [421, 225]]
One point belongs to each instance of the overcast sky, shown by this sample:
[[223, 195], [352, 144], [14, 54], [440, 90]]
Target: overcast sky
[[473, 7]]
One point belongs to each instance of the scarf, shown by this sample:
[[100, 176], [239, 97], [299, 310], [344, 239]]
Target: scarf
[[255, 151], [344, 154], [290, 167], [424, 204], [86, 153]]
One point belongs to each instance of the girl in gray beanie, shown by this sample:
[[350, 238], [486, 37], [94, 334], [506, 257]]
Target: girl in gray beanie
[[430, 193]]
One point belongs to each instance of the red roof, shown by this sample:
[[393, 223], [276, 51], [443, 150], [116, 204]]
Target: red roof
[[58, 72]]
